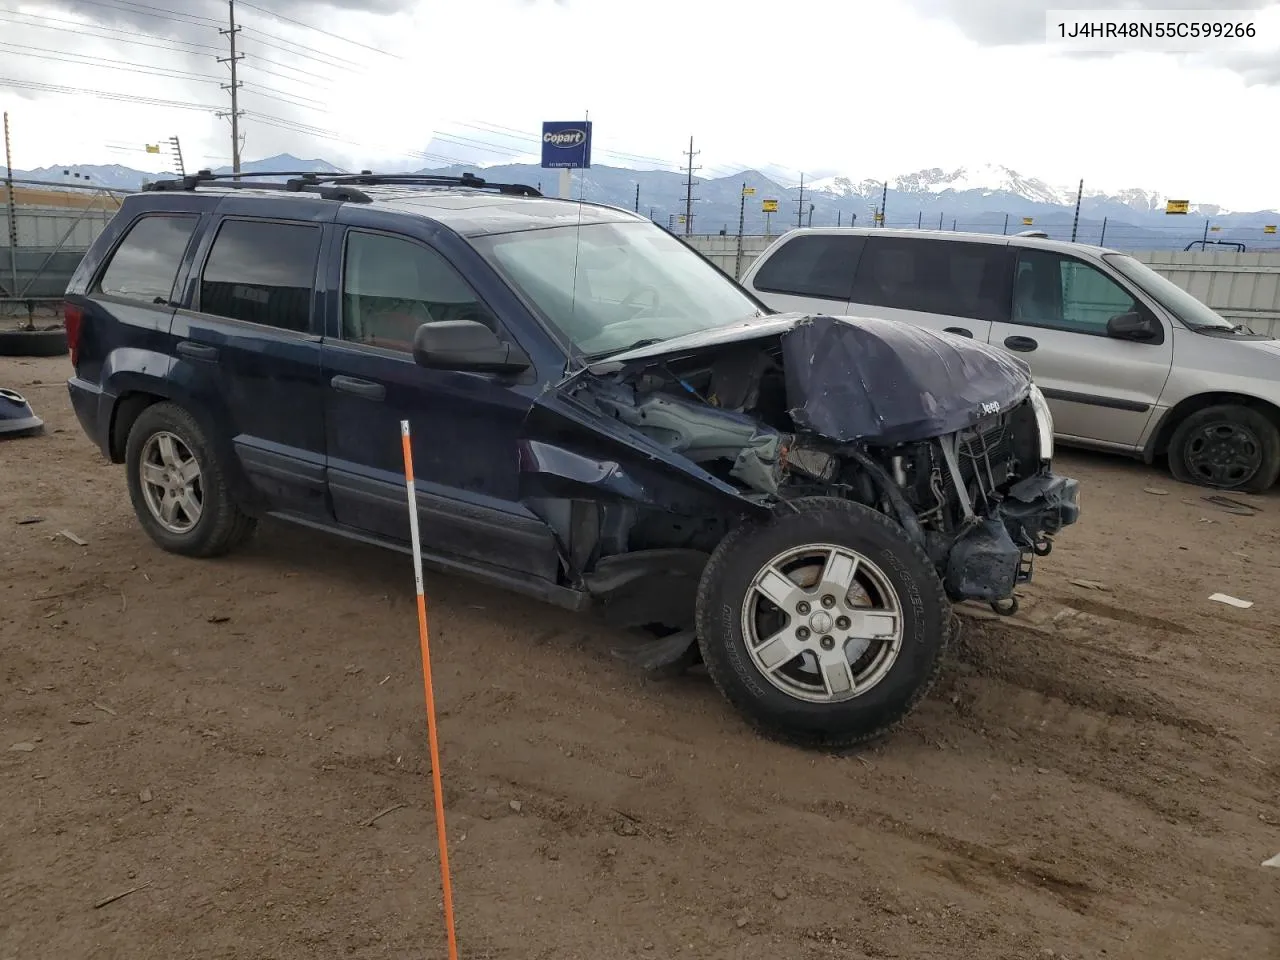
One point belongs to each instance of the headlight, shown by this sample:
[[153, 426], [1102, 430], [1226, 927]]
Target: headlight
[[1044, 422]]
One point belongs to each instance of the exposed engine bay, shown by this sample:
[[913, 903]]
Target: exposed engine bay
[[978, 497]]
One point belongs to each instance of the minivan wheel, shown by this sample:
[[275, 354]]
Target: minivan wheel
[[824, 625], [178, 487], [1229, 447]]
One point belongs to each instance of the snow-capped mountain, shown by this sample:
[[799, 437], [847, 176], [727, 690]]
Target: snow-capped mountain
[[995, 180]]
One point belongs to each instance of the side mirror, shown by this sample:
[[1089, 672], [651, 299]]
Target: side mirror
[[467, 346], [1135, 325]]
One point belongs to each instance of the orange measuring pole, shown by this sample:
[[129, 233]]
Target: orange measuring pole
[[442, 835]]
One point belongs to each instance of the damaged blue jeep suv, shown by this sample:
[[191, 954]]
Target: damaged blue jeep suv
[[601, 419]]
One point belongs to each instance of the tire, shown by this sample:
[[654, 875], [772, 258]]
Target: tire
[[33, 343], [221, 525], [1250, 434], [727, 599]]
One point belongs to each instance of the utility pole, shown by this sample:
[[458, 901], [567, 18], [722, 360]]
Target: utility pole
[[688, 190], [800, 204], [839, 219], [175, 148], [884, 197], [742, 222], [637, 196], [11, 203], [234, 86], [1076, 222]]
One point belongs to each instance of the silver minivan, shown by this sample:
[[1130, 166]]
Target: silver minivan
[[1129, 361]]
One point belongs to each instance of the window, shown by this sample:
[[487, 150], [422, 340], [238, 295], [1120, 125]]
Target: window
[[1051, 290], [607, 286], [146, 263], [812, 266], [952, 278], [390, 287], [263, 273]]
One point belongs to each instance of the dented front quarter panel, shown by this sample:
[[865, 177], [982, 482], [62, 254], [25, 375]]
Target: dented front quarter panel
[[572, 451]]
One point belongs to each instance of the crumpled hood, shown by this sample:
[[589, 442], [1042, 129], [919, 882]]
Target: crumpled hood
[[862, 378]]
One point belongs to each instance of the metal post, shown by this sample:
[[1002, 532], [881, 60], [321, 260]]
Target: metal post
[[1102, 240], [11, 203], [919, 219], [839, 219], [884, 198], [953, 226], [742, 221], [1203, 242], [566, 183], [1076, 222], [939, 221], [1005, 229], [637, 198]]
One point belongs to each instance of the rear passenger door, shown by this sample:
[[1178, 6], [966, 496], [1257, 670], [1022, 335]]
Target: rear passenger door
[[956, 286], [248, 347], [465, 426], [1100, 389], [809, 273]]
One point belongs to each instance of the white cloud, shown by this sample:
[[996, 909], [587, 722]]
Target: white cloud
[[871, 90]]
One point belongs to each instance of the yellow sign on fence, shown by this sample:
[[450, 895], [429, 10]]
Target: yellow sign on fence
[[1269, 228], [748, 191], [1177, 206], [1028, 221], [153, 148], [769, 206], [1215, 229], [879, 218]]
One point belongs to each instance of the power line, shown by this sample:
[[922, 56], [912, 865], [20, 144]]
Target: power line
[[105, 95], [299, 23], [122, 65], [84, 30]]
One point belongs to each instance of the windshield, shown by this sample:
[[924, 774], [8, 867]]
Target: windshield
[[1180, 303], [610, 286]]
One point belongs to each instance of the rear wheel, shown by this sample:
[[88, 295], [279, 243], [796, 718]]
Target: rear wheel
[[178, 486], [1229, 447], [824, 625]]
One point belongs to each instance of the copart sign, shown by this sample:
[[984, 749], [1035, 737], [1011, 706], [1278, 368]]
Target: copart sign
[[566, 144]]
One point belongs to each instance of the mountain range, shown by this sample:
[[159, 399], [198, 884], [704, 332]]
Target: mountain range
[[981, 198]]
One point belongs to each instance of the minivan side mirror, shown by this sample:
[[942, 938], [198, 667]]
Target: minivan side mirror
[[466, 346], [1136, 325]]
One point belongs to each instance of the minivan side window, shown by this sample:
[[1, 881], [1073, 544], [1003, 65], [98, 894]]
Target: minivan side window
[[146, 263], [262, 272], [391, 286], [953, 278], [812, 265], [1063, 293]]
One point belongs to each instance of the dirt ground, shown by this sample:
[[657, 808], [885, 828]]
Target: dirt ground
[[1095, 777]]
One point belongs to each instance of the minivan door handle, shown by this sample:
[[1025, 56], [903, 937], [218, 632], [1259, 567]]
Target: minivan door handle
[[366, 389], [197, 351], [962, 331], [1021, 344]]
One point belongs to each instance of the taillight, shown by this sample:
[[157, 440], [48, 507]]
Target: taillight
[[72, 319]]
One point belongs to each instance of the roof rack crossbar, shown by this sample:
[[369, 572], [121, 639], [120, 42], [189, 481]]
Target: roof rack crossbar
[[193, 180]]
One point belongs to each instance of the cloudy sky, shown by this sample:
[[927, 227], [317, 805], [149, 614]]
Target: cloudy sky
[[866, 89]]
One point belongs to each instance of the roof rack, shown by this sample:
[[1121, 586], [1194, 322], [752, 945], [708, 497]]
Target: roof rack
[[336, 186]]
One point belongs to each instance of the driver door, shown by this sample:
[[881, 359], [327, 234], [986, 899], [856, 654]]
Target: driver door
[[1101, 389], [465, 426]]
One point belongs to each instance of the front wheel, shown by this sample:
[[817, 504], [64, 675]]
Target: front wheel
[[1229, 447], [824, 625]]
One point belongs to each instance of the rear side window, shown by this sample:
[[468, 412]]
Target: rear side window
[[812, 265], [263, 273], [145, 264], [946, 277]]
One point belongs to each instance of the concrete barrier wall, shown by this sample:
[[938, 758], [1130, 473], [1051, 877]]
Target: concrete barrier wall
[[1243, 287]]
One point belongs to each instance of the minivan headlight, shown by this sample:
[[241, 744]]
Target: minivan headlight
[[1044, 422]]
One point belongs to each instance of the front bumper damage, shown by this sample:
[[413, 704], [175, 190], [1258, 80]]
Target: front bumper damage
[[997, 553]]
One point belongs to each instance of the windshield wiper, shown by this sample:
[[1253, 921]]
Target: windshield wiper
[[647, 341]]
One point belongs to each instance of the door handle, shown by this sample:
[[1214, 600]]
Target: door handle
[[1021, 344], [962, 331], [197, 351], [366, 389]]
